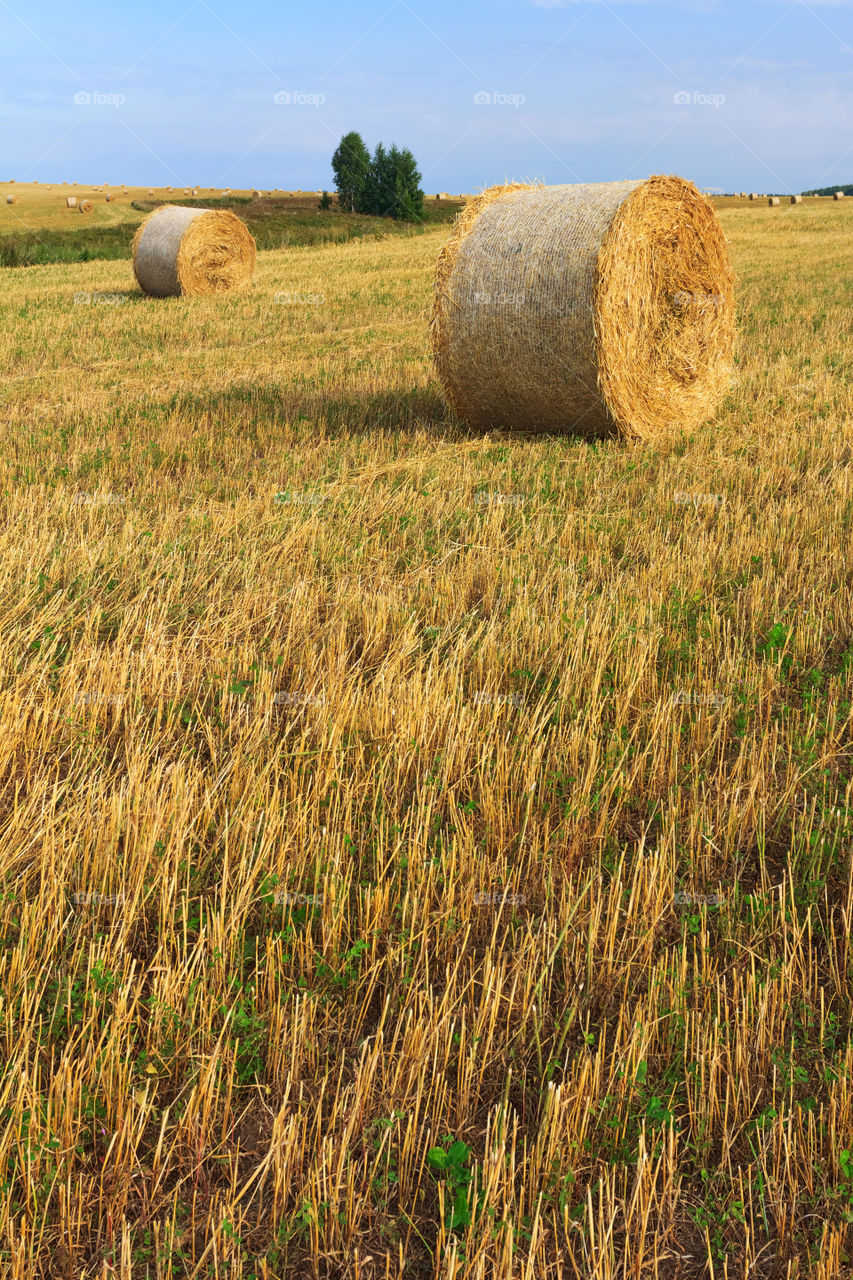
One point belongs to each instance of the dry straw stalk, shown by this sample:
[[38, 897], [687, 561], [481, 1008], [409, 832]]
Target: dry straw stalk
[[192, 251], [587, 308]]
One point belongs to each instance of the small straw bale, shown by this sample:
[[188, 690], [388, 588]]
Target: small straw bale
[[71, 202], [150, 191], [10, 199], [839, 195], [191, 251], [773, 201], [796, 199], [85, 206], [109, 197], [585, 308], [256, 195], [753, 195]]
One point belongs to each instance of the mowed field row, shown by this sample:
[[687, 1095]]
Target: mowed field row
[[423, 853]]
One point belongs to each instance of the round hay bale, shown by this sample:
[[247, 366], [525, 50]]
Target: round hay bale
[[256, 195], [796, 199], [85, 206], [150, 191], [71, 202], [773, 201], [191, 251], [109, 197], [10, 199], [839, 195], [585, 308]]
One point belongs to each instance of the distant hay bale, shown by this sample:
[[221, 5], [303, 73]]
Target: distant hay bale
[[196, 191], [753, 195], [150, 191], [191, 251], [443, 195], [256, 195], [773, 200], [796, 199], [585, 308], [839, 195], [10, 199], [109, 197], [71, 202], [85, 206]]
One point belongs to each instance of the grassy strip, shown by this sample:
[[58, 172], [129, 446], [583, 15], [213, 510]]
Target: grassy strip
[[275, 224]]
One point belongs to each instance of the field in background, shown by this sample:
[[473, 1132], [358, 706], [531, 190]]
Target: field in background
[[40, 229], [417, 846]]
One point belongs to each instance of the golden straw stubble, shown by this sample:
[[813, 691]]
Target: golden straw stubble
[[182, 251], [591, 308]]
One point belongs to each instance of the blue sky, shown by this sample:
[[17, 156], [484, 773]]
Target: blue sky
[[733, 94]]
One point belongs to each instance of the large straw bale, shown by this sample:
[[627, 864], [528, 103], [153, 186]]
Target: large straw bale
[[586, 308], [191, 251]]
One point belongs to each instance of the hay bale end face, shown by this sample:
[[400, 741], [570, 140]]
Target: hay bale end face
[[179, 251], [71, 202], [588, 308], [773, 201], [85, 206]]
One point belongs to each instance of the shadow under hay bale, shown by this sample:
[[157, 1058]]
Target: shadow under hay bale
[[589, 309], [179, 251]]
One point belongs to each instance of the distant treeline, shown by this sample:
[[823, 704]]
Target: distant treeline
[[830, 191]]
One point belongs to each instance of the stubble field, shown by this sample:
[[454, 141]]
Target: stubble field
[[423, 854]]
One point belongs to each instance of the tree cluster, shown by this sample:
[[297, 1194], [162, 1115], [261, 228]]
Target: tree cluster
[[386, 184]]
